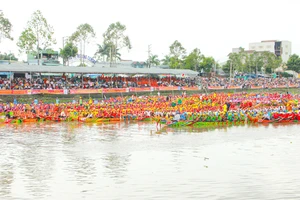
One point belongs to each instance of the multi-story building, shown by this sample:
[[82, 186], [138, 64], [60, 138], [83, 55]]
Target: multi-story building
[[279, 48]]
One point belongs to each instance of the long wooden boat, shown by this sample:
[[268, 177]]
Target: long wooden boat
[[30, 120], [225, 123]]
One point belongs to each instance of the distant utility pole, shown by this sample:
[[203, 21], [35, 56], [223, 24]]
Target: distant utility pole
[[230, 70], [149, 55]]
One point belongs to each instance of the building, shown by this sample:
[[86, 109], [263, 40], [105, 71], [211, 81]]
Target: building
[[279, 48], [47, 57]]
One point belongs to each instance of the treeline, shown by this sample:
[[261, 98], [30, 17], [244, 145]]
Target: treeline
[[177, 58], [252, 62], [294, 63], [38, 36], [259, 62], [9, 56]]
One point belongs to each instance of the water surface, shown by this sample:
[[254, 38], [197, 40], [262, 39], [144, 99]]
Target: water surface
[[135, 161]]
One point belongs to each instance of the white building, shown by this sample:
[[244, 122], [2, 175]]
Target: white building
[[279, 48]]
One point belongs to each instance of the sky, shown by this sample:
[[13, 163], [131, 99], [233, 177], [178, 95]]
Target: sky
[[213, 26]]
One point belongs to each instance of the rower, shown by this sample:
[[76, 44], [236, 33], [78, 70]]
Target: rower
[[63, 114], [35, 101], [176, 118]]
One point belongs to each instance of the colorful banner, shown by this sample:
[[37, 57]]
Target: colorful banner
[[190, 88], [35, 92], [20, 92], [293, 86], [86, 91], [281, 86], [55, 91], [215, 87], [140, 89], [114, 90], [234, 87], [256, 87], [168, 88], [122, 90], [5, 92]]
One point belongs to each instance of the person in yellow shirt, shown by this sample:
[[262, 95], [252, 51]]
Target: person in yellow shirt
[[90, 101], [225, 108]]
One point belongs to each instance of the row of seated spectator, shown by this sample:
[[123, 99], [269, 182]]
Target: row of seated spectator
[[125, 82]]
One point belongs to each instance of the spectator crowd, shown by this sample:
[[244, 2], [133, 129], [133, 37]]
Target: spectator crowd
[[125, 82]]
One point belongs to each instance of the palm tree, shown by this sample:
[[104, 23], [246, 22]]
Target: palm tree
[[103, 51], [154, 60], [166, 60]]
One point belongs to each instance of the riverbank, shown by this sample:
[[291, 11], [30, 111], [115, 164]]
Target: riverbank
[[50, 98]]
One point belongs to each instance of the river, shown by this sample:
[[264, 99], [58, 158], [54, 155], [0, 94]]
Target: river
[[135, 161]]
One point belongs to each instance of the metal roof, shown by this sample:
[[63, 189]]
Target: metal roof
[[20, 67]]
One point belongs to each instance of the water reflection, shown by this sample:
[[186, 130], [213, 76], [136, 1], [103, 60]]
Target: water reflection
[[138, 160], [80, 168], [116, 166], [36, 164], [6, 178]]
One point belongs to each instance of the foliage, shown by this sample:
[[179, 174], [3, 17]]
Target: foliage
[[9, 56], [166, 60], [177, 53], [103, 52], [5, 27], [192, 61], [69, 51], [207, 64], [286, 75], [271, 61], [175, 62], [83, 34], [226, 67], [177, 50], [37, 35], [252, 62], [238, 60], [153, 60], [294, 63], [116, 39]]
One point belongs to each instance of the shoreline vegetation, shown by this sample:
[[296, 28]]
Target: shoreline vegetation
[[46, 98]]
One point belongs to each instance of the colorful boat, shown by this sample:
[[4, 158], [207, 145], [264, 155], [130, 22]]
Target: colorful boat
[[30, 120]]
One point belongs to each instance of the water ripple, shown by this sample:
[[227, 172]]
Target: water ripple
[[139, 161]]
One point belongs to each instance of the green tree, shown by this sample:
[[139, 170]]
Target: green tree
[[102, 52], [254, 62], [9, 56], [37, 36], [238, 60], [271, 61], [207, 64], [115, 37], [177, 53], [166, 60], [226, 67], [192, 61], [153, 60], [294, 63], [83, 34], [5, 27], [69, 51]]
